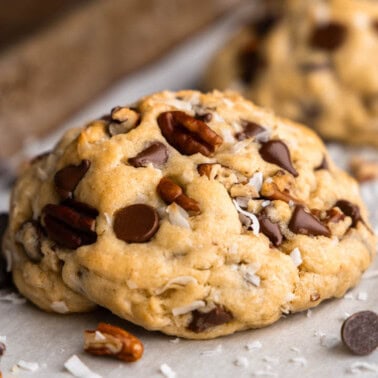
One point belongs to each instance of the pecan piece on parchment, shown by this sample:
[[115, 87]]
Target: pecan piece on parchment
[[188, 134], [171, 192], [108, 340]]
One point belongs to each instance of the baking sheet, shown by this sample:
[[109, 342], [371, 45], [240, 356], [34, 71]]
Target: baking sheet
[[301, 345]]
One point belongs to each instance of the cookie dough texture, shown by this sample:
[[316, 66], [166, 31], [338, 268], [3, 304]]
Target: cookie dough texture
[[314, 62], [236, 258]]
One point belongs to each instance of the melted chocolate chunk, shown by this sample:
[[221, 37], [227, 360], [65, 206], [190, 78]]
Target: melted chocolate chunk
[[201, 321], [276, 152], [350, 210], [251, 62], [67, 179], [270, 230], [136, 223], [360, 332], [250, 130], [306, 223], [323, 165], [328, 36], [264, 25], [156, 154]]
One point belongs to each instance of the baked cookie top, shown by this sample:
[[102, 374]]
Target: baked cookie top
[[313, 61], [194, 214]]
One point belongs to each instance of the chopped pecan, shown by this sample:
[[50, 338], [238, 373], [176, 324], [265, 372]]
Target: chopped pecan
[[70, 224], [108, 340], [205, 169], [29, 235], [271, 191], [171, 192], [188, 134]]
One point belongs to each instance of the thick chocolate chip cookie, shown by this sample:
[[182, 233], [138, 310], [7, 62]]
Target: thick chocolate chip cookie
[[194, 214], [314, 61]]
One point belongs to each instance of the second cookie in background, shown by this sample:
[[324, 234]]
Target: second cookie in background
[[313, 61]]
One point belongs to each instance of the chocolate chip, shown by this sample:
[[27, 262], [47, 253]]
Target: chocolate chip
[[136, 223], [360, 332], [328, 36], [206, 117], [270, 230], [201, 321], [251, 62], [276, 152], [67, 179], [3, 348], [250, 130], [323, 165], [5, 277], [156, 154], [350, 210], [306, 223]]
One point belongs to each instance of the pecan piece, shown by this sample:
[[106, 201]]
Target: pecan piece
[[272, 192], [71, 224], [124, 119], [188, 134], [29, 235], [108, 340], [171, 192]]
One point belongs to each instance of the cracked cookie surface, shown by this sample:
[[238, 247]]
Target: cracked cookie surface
[[194, 214], [314, 62]]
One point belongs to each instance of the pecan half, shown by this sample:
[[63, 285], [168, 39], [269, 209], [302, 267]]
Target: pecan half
[[188, 134], [70, 224], [171, 192], [108, 340]]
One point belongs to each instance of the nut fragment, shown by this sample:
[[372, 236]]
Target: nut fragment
[[171, 192], [188, 134], [108, 340], [271, 191], [29, 235], [124, 119]]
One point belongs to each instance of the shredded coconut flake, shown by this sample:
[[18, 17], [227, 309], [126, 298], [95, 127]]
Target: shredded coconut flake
[[348, 296], [242, 362], [189, 308], [42, 174], [255, 222], [361, 366], [29, 366], [272, 360], [99, 336], [295, 349], [13, 298], [3, 339], [345, 316], [298, 361], [309, 313], [256, 181], [178, 281], [175, 341], [264, 373], [265, 203], [328, 341], [59, 307], [237, 147], [254, 345], [213, 352], [263, 136], [362, 296], [78, 369], [296, 256], [228, 136], [167, 371], [178, 216]]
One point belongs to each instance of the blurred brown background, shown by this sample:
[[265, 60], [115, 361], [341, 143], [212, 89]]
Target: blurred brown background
[[56, 55]]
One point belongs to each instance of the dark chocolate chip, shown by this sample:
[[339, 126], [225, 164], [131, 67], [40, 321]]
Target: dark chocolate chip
[[270, 230], [136, 223], [206, 117], [67, 179], [276, 152], [323, 165], [306, 223], [201, 321], [3, 348], [5, 277], [328, 36], [360, 332], [156, 154], [264, 25], [251, 62], [350, 210], [250, 130], [375, 25]]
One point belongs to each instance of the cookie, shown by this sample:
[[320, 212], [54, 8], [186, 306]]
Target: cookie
[[313, 62], [194, 214]]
